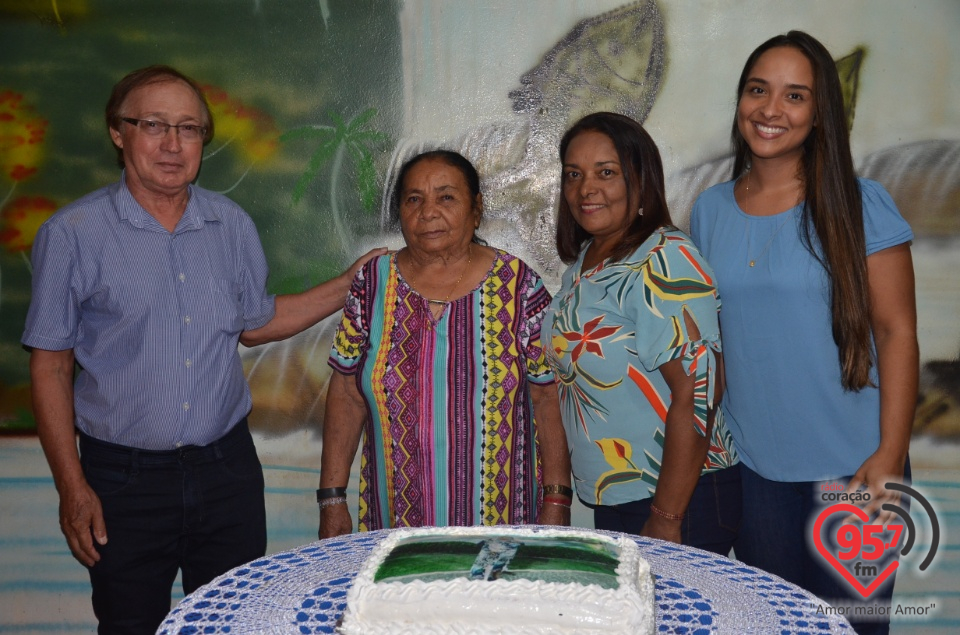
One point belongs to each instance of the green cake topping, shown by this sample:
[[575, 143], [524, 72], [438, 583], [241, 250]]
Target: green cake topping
[[539, 558]]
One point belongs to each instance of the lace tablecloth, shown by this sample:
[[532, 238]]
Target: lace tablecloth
[[304, 591]]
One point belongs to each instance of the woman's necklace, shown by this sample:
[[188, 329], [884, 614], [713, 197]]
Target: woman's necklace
[[746, 192], [456, 284], [442, 304]]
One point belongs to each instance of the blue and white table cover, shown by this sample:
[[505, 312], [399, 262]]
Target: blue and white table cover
[[304, 590]]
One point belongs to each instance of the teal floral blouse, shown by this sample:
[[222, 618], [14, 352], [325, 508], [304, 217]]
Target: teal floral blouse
[[611, 329]]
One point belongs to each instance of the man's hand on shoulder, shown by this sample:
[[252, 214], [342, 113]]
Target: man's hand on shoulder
[[352, 270], [297, 312]]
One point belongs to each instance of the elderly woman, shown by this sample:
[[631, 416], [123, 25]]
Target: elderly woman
[[439, 365], [636, 346]]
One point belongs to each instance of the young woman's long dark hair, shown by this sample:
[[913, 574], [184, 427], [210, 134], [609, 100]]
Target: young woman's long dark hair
[[642, 170], [833, 208]]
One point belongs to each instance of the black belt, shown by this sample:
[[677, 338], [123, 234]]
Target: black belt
[[237, 435]]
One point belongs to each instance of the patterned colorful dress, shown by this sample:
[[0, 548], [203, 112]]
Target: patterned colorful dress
[[612, 328], [450, 437]]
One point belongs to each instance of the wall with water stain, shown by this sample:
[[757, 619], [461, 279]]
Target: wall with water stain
[[317, 103]]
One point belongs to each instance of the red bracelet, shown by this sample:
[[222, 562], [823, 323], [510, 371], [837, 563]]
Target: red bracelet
[[662, 514]]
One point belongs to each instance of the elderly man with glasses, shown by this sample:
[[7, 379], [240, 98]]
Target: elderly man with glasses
[[146, 286]]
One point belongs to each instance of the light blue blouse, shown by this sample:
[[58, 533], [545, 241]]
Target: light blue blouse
[[784, 403]]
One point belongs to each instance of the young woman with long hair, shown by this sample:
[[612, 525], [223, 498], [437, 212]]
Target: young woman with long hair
[[819, 320]]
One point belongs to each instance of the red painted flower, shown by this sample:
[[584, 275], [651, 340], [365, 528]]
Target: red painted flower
[[20, 220], [22, 134], [252, 132], [590, 339]]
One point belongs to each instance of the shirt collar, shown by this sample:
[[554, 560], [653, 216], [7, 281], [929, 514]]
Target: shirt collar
[[197, 213]]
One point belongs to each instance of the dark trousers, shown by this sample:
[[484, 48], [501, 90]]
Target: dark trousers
[[776, 536], [712, 517], [197, 509]]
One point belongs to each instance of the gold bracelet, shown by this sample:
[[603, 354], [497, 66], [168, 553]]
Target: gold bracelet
[[662, 514], [558, 489]]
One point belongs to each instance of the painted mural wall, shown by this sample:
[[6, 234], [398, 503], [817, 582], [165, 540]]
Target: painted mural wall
[[318, 102]]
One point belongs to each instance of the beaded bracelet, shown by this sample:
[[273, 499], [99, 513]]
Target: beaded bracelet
[[662, 514], [330, 492], [558, 489], [333, 500]]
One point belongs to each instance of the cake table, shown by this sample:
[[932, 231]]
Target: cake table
[[304, 591]]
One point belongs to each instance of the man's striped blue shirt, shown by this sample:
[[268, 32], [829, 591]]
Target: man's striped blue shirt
[[153, 317]]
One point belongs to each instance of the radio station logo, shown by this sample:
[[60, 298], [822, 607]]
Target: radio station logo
[[864, 553]]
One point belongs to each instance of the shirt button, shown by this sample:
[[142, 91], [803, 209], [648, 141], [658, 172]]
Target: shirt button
[[187, 319], [186, 405], [188, 363], [182, 277], [178, 444]]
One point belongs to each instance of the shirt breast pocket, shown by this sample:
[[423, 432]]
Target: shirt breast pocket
[[226, 305]]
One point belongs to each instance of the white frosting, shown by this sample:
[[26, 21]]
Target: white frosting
[[520, 606]]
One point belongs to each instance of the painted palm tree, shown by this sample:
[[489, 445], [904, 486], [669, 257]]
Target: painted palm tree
[[343, 138]]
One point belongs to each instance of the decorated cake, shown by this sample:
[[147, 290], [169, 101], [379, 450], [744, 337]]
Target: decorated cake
[[486, 580]]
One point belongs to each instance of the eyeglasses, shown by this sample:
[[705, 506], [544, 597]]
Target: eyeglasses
[[186, 131]]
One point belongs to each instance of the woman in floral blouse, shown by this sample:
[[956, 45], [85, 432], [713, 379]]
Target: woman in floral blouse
[[636, 347]]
